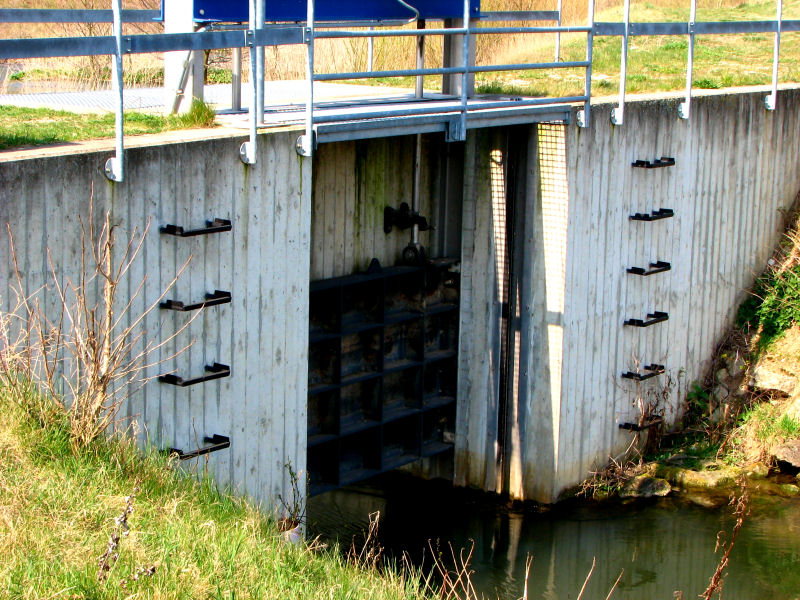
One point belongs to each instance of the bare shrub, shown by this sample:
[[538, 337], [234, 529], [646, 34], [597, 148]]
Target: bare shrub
[[83, 359]]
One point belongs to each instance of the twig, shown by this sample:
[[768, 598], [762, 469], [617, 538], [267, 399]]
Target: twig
[[613, 587], [588, 577]]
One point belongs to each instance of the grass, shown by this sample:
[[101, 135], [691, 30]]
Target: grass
[[40, 126], [774, 302], [186, 540]]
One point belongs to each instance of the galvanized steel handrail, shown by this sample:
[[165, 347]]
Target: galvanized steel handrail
[[59, 15], [258, 34]]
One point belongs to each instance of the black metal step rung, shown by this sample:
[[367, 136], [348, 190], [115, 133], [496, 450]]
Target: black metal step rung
[[216, 371], [647, 424], [218, 297], [654, 317], [215, 226], [664, 161], [216, 441], [659, 266], [661, 213], [651, 371]]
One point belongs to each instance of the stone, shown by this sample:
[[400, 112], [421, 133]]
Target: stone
[[645, 486], [788, 455], [756, 471], [724, 477], [790, 489], [765, 378]]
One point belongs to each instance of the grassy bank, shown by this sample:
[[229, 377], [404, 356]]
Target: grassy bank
[[185, 540], [40, 126]]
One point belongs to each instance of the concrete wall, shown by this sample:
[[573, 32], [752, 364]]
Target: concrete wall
[[353, 183], [737, 169], [264, 262]]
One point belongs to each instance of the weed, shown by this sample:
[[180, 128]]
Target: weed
[[741, 509], [761, 430], [706, 84], [774, 303], [121, 530]]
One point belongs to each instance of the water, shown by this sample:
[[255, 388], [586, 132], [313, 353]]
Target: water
[[663, 545]]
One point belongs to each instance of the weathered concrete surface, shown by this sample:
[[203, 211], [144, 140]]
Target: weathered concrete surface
[[262, 334], [737, 171]]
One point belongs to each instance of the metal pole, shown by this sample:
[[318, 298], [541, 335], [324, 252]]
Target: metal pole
[[305, 143], [686, 106], [370, 51], [771, 100], [420, 58], [260, 18], [584, 116], [236, 79], [558, 33], [465, 76], [114, 167], [247, 151], [618, 114]]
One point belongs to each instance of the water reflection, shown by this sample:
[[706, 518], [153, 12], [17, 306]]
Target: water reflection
[[663, 545]]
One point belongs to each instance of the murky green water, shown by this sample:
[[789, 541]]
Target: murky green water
[[663, 545]]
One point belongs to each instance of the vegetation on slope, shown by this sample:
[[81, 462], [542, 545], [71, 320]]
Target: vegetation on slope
[[182, 538], [40, 126]]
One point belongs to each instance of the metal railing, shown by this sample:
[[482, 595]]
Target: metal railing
[[257, 35]]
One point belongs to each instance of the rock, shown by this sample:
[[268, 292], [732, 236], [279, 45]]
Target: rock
[[788, 456], [757, 471], [707, 500], [766, 378], [724, 477], [790, 489], [644, 486]]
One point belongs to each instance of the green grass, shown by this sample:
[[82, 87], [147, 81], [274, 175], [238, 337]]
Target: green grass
[[658, 63], [41, 126], [774, 302], [58, 509]]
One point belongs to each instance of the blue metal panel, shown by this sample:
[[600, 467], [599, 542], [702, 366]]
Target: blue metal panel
[[236, 11]]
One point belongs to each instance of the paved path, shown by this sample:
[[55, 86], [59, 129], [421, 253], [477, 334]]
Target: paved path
[[280, 93]]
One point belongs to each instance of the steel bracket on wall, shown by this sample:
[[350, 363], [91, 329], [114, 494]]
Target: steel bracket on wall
[[216, 371], [659, 266], [646, 424], [654, 317], [215, 226], [456, 132], [216, 442], [661, 213], [651, 371], [218, 297], [664, 161]]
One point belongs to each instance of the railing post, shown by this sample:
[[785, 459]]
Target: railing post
[[115, 167], [618, 114], [558, 34], [685, 107], [305, 143], [771, 100], [584, 116], [370, 52], [247, 151], [420, 59], [236, 79]]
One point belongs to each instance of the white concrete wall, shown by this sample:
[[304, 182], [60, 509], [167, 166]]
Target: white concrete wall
[[738, 169], [353, 183], [264, 262]]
